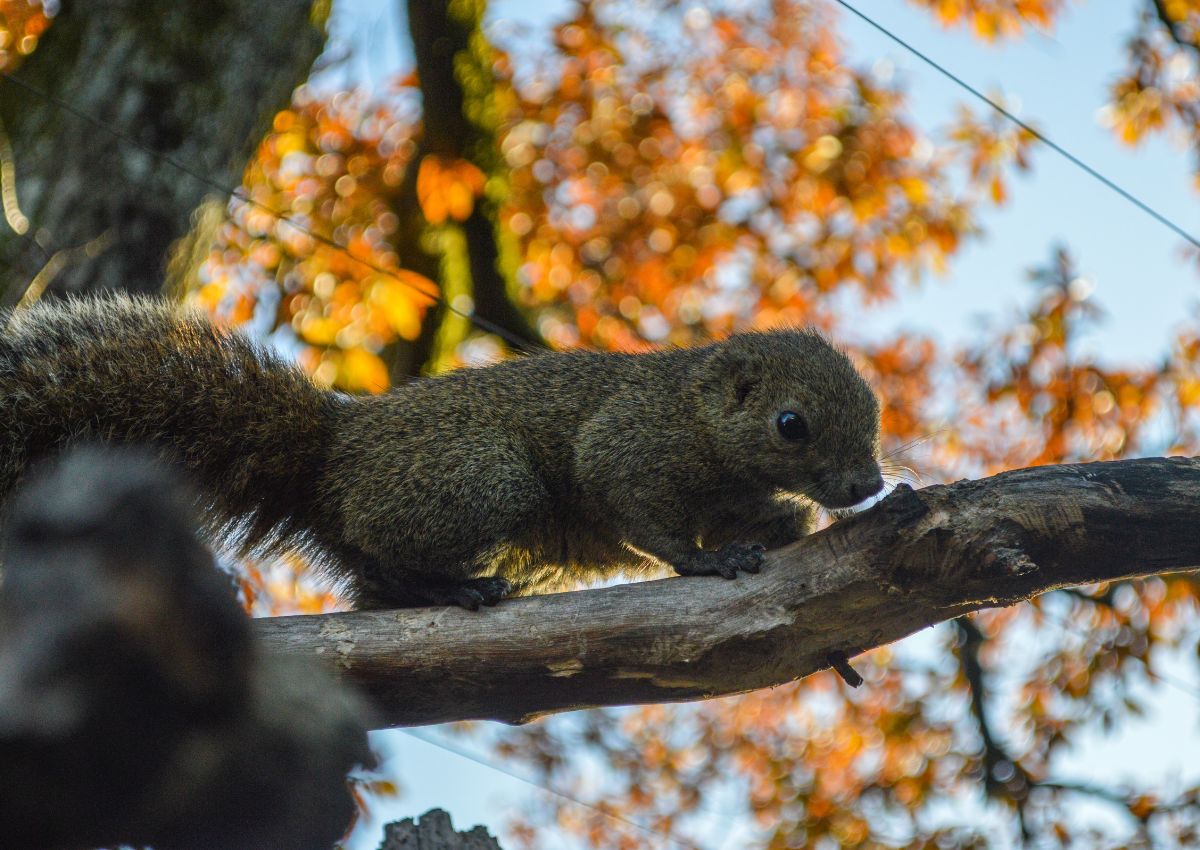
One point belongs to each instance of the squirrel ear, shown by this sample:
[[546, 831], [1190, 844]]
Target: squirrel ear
[[743, 384], [730, 377]]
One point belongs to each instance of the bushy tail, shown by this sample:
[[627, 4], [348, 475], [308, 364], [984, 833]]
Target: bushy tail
[[250, 428]]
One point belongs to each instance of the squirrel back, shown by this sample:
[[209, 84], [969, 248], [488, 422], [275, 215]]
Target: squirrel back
[[250, 428]]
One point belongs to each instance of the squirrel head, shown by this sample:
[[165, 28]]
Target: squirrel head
[[791, 410]]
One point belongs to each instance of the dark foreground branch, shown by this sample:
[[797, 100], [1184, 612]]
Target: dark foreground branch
[[917, 558], [135, 708], [434, 831]]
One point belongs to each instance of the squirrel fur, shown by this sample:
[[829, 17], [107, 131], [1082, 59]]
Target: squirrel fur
[[517, 478]]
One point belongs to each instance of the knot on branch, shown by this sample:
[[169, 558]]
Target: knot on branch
[[1011, 561], [942, 547], [903, 507]]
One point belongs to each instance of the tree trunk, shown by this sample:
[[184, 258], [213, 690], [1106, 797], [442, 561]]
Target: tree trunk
[[453, 63], [195, 82], [135, 707], [916, 559]]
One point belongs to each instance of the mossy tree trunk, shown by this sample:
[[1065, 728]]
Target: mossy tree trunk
[[468, 257], [198, 82]]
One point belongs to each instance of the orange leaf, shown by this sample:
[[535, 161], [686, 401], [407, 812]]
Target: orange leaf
[[447, 188], [998, 193]]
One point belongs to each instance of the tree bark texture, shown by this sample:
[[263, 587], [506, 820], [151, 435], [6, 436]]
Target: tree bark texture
[[198, 82], [433, 831], [915, 559]]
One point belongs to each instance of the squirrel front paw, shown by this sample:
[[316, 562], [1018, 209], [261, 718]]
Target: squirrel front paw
[[725, 562]]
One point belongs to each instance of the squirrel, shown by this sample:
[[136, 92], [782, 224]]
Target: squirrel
[[521, 477]]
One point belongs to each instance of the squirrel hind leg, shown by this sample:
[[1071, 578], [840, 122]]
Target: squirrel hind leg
[[443, 541], [378, 584], [412, 590]]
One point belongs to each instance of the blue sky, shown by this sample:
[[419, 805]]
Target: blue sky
[[1059, 83], [1056, 82]]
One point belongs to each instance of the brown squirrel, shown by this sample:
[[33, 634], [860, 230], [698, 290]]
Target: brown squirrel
[[521, 477]]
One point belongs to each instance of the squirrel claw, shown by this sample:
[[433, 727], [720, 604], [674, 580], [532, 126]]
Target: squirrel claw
[[726, 561]]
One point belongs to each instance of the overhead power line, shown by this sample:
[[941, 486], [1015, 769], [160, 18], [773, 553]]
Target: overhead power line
[[1037, 134]]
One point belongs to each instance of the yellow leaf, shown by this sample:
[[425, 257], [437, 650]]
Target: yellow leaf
[[399, 305], [289, 142], [915, 188], [361, 370], [1189, 392], [997, 188], [318, 330], [985, 26]]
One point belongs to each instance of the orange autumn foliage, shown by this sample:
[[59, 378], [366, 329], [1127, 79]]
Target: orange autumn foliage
[[22, 23], [446, 189], [991, 20]]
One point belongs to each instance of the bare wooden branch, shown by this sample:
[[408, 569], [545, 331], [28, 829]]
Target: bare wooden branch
[[916, 559]]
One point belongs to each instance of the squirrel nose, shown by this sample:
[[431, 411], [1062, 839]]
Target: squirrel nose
[[860, 490]]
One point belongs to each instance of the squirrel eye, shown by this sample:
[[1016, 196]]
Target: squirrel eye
[[792, 426]]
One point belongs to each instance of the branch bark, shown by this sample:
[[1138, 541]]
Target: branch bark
[[916, 559]]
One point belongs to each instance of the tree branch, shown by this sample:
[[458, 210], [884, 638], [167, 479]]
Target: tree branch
[[1173, 27], [459, 122], [916, 559], [1003, 776], [434, 831]]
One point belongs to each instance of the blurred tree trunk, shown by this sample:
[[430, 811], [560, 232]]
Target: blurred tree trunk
[[467, 256], [198, 82]]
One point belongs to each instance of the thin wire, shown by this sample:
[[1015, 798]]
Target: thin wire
[[478, 321], [1054, 146], [469, 756]]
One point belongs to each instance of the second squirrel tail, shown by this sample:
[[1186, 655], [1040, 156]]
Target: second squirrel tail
[[250, 428]]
